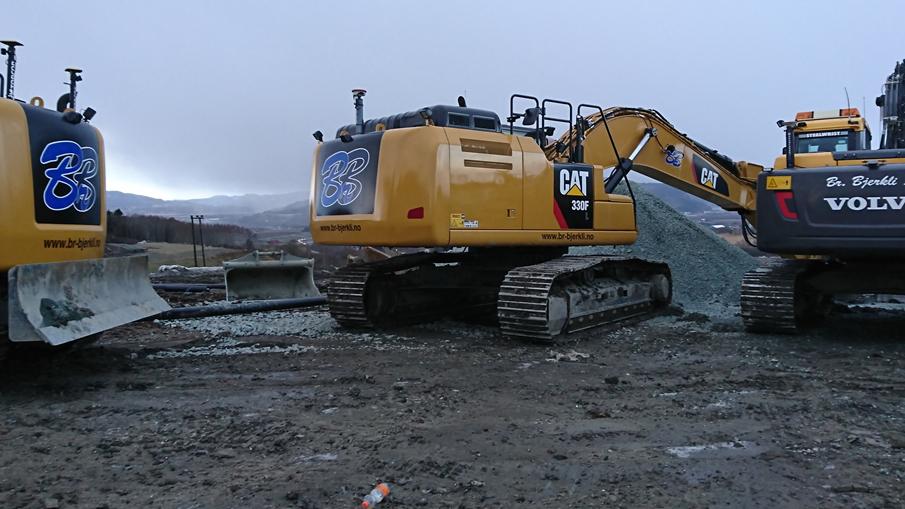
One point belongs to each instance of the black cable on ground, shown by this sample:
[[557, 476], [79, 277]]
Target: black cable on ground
[[256, 306]]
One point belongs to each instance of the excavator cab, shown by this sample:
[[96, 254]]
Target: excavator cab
[[813, 136], [830, 194]]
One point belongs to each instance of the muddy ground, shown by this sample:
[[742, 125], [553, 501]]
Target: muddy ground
[[676, 411]]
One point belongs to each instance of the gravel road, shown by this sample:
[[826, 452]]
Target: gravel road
[[283, 410]]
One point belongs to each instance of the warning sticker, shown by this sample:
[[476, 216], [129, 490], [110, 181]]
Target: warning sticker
[[783, 183]]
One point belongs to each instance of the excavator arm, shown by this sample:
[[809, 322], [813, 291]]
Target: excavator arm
[[635, 139]]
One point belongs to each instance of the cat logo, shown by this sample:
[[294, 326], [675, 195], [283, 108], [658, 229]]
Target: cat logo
[[573, 196], [708, 176], [573, 182]]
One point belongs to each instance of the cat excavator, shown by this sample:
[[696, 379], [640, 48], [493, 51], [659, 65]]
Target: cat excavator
[[499, 205], [56, 286], [498, 214]]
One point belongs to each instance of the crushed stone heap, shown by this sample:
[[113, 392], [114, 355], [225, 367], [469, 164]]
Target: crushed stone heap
[[706, 270]]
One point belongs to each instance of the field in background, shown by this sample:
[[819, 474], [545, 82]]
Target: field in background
[[163, 253]]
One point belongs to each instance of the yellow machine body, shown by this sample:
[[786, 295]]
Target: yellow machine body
[[444, 186], [57, 286], [447, 176], [25, 239]]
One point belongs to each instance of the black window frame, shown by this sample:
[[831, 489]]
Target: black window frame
[[851, 139], [462, 116], [494, 127]]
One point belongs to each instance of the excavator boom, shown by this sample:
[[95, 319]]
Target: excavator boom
[[656, 149]]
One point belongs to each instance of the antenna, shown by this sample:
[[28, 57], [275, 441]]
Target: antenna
[[10, 52], [357, 94], [848, 103], [73, 79]]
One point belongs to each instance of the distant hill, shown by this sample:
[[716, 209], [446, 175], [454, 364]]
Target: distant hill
[[246, 204], [290, 217], [289, 211], [679, 200], [285, 211]]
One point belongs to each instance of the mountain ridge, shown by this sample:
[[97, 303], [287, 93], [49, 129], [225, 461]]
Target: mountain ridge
[[289, 211]]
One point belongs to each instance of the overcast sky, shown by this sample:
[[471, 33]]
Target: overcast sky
[[196, 98]]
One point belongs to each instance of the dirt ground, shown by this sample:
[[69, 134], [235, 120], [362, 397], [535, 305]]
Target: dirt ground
[[675, 411]]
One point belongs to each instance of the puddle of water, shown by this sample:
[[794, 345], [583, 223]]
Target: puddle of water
[[717, 450]]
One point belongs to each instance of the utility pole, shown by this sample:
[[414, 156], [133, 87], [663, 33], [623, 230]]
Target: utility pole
[[194, 247], [201, 237], [199, 217]]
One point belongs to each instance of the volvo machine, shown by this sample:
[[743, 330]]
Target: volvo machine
[[56, 285], [498, 205]]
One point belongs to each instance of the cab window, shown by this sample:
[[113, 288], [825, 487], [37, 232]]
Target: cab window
[[457, 120], [822, 141]]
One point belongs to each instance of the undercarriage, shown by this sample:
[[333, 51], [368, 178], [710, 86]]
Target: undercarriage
[[790, 295], [535, 294]]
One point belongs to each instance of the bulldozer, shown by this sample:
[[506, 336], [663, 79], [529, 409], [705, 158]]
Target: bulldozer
[[495, 208], [57, 287]]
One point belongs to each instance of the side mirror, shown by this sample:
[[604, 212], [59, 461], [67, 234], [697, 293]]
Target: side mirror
[[785, 150], [531, 115]]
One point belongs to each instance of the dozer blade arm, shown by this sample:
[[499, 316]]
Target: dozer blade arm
[[60, 302]]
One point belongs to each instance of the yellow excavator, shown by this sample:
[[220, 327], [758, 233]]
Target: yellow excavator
[[499, 205], [498, 215], [56, 285]]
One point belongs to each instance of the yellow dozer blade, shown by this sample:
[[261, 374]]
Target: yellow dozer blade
[[266, 275], [60, 302]]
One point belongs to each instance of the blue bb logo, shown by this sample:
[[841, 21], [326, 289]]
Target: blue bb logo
[[70, 180], [338, 175], [675, 158]]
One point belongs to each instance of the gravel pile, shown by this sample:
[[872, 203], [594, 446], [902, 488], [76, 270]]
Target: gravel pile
[[706, 270]]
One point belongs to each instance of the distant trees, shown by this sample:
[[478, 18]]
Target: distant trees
[[130, 229]]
